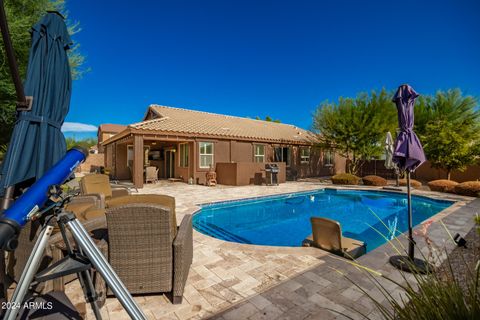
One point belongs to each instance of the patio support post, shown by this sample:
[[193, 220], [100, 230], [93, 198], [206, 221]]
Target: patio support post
[[138, 161]]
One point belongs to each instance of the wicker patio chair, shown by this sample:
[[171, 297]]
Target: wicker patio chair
[[146, 249], [99, 185], [158, 199], [327, 235], [151, 174]]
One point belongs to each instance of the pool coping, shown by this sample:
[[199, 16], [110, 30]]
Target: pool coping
[[458, 202]]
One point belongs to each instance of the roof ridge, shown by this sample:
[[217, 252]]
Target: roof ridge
[[148, 121], [225, 115]]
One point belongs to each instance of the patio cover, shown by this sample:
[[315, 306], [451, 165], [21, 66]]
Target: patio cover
[[37, 142]]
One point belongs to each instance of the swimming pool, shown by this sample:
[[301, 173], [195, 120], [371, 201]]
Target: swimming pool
[[284, 220]]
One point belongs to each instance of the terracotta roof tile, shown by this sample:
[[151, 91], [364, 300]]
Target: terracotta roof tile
[[113, 128], [200, 123]]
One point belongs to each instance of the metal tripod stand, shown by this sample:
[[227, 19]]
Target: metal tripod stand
[[79, 261]]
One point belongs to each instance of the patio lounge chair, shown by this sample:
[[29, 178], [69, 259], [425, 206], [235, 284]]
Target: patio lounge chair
[[327, 235], [145, 247], [99, 185]]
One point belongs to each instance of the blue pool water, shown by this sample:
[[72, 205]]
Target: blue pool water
[[284, 220]]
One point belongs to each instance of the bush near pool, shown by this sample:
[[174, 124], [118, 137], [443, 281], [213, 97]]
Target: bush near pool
[[345, 178], [469, 188], [374, 181], [442, 185], [414, 183]]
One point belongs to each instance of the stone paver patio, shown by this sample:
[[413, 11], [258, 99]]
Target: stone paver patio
[[238, 281]]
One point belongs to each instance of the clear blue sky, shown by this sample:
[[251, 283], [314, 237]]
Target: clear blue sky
[[277, 58]]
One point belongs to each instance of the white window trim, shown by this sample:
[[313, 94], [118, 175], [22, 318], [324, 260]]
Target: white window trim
[[255, 156], [180, 155], [200, 154], [305, 159]]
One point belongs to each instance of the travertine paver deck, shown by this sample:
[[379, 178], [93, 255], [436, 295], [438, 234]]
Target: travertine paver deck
[[237, 281]]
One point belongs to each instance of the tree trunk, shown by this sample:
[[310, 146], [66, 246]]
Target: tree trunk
[[448, 174]]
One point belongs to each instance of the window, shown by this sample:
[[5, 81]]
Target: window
[[304, 155], [206, 154], [184, 155], [258, 153], [282, 154], [328, 158], [130, 156]]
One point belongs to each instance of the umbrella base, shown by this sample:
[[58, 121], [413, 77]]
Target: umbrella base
[[404, 263]]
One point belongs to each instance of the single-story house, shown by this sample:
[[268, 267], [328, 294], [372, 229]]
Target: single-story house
[[186, 144], [105, 131]]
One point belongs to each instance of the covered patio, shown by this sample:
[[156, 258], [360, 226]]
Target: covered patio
[[127, 158]]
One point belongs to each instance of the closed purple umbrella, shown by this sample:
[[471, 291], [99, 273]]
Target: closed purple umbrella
[[408, 155]]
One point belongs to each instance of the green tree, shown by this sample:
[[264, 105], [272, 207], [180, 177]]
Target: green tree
[[448, 125], [356, 127], [21, 16], [85, 143], [268, 118]]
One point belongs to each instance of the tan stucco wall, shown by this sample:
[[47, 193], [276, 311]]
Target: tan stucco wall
[[427, 173], [245, 173], [242, 151], [92, 163]]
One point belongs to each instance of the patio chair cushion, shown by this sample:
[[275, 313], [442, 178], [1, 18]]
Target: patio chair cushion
[[157, 199], [96, 183], [79, 208], [93, 214]]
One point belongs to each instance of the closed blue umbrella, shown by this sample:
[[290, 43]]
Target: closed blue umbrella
[[408, 155], [37, 142]]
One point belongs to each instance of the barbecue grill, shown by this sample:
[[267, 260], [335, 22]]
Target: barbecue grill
[[271, 173]]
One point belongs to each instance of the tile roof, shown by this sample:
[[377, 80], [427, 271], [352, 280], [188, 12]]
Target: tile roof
[[199, 123], [113, 128]]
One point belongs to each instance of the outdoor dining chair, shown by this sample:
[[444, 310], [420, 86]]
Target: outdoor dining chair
[[151, 174]]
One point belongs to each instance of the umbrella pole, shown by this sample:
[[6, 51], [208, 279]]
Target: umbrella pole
[[23, 103], [411, 243], [409, 263]]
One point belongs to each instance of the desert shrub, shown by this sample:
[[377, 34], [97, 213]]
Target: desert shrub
[[345, 178], [442, 185], [469, 188], [414, 183], [374, 181]]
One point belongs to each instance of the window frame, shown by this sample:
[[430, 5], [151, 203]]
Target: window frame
[[305, 159], [183, 161], [288, 159], [130, 151], [200, 154], [257, 156], [331, 157]]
